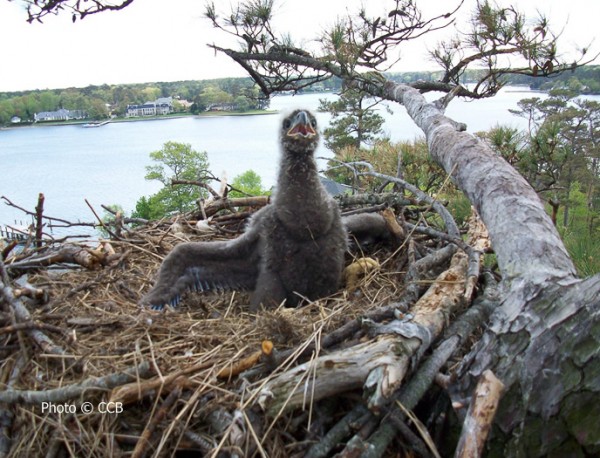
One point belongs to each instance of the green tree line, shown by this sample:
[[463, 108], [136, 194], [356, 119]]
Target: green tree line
[[105, 100], [101, 101]]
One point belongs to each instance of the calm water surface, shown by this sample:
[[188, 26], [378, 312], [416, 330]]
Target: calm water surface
[[106, 165]]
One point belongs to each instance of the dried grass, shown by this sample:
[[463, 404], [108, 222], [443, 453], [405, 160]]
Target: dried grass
[[105, 331]]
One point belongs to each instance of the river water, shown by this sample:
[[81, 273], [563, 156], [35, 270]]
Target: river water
[[106, 165]]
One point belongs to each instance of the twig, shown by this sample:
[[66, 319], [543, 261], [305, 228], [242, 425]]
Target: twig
[[161, 413], [480, 416], [415, 442], [27, 326], [133, 392], [76, 390], [7, 249], [410, 394], [337, 434], [39, 224], [115, 236], [23, 315], [49, 218]]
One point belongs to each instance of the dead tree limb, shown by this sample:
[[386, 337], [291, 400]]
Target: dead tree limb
[[410, 394], [76, 390], [66, 254], [480, 416], [22, 315], [39, 221]]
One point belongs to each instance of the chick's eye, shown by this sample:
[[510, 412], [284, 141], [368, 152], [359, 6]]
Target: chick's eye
[[313, 123], [286, 124]]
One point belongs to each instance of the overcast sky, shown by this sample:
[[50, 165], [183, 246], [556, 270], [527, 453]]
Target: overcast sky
[[156, 40]]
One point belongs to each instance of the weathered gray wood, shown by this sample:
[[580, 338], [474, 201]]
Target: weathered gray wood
[[550, 360], [526, 242], [527, 344]]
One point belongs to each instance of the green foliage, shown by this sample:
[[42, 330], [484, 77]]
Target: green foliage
[[150, 208], [175, 161], [246, 184], [458, 206], [354, 121], [584, 249], [417, 166], [582, 233]]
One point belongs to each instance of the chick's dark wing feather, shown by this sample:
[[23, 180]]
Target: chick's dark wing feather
[[205, 266]]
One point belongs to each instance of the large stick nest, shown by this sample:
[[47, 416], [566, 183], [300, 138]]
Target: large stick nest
[[189, 379]]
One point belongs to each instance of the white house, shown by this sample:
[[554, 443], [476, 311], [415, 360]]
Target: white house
[[160, 106], [59, 115]]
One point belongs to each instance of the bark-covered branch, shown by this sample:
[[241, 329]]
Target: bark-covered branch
[[38, 9], [360, 42], [525, 240]]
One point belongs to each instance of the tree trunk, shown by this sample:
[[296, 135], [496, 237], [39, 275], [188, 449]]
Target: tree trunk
[[548, 355], [542, 342]]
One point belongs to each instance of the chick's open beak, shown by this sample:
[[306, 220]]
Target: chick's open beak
[[301, 126]]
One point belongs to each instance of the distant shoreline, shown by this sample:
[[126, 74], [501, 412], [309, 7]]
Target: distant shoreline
[[207, 114]]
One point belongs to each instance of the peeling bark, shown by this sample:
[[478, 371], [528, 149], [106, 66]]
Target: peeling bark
[[526, 242], [540, 342]]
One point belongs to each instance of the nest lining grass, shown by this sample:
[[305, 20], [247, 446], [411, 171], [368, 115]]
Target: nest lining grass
[[104, 331]]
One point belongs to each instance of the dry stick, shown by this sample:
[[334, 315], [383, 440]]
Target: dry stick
[[161, 413], [72, 254], [7, 249], [38, 294], [75, 390], [337, 434], [115, 236], [29, 325], [39, 221], [480, 416], [23, 315], [357, 443], [421, 196], [49, 218], [410, 394], [133, 392], [415, 441], [221, 204], [473, 254], [6, 414]]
